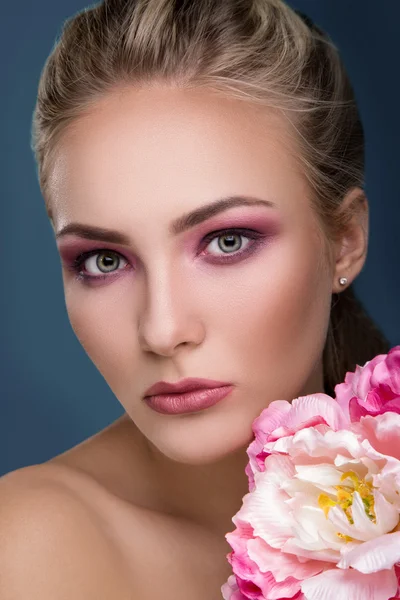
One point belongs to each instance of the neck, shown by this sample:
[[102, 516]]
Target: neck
[[208, 495]]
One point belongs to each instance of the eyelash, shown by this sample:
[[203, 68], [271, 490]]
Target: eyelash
[[255, 236]]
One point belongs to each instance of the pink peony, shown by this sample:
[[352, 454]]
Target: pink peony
[[322, 518], [372, 389]]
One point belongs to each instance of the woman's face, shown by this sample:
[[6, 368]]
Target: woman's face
[[251, 310]]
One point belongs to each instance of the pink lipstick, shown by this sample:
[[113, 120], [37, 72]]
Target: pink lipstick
[[186, 396]]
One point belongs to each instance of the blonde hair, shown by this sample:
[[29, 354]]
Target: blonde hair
[[257, 51]]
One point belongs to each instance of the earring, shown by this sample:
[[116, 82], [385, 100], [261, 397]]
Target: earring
[[343, 281]]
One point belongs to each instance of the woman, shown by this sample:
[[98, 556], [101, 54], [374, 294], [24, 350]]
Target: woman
[[211, 153]]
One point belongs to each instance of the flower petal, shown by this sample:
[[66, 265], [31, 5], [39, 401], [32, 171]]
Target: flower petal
[[382, 431], [321, 475], [376, 555], [387, 517], [265, 509], [281, 565], [310, 410], [324, 556], [337, 584], [267, 421], [314, 443], [230, 590]]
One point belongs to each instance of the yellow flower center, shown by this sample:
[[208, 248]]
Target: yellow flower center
[[344, 499]]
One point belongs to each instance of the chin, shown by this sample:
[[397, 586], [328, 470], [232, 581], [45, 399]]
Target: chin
[[200, 439]]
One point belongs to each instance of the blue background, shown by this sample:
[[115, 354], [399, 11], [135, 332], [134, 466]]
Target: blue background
[[52, 396]]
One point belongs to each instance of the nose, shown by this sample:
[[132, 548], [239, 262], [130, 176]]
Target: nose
[[169, 318]]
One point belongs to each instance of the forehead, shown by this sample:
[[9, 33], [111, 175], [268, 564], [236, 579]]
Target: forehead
[[170, 147]]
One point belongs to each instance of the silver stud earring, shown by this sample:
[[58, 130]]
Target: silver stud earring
[[343, 281]]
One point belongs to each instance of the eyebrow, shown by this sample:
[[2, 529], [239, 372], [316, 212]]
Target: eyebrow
[[183, 223]]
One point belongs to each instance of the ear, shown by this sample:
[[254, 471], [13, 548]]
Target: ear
[[351, 249]]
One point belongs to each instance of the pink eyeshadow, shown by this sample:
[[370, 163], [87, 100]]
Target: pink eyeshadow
[[253, 218], [260, 221]]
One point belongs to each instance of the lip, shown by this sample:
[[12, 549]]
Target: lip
[[189, 402], [184, 385]]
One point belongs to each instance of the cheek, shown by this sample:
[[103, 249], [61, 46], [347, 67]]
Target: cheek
[[278, 323], [291, 314], [104, 331]]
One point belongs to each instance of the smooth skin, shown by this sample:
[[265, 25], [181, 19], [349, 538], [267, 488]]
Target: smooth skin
[[169, 309]]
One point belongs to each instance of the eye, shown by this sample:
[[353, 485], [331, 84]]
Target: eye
[[105, 261], [227, 245]]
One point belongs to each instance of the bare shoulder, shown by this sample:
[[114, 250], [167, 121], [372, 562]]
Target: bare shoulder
[[52, 545]]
